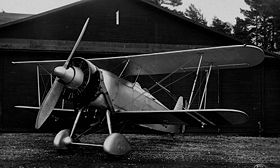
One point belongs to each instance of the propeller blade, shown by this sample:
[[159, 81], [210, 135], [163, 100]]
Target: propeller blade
[[49, 103], [56, 89], [76, 44]]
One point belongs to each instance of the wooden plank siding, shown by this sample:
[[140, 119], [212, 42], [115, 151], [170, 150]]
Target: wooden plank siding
[[139, 23], [91, 47]]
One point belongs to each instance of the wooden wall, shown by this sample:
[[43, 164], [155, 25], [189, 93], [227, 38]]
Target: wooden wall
[[139, 23]]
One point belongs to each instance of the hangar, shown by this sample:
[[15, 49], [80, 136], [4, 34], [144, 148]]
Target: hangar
[[124, 27]]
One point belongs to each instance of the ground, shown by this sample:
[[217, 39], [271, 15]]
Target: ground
[[36, 150]]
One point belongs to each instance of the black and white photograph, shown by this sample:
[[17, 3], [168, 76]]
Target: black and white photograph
[[140, 83]]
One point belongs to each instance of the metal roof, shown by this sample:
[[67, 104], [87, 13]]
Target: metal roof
[[10, 17]]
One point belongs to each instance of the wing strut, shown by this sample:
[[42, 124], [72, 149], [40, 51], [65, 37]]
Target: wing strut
[[38, 85], [205, 88], [127, 62], [204, 97], [194, 83], [190, 100]]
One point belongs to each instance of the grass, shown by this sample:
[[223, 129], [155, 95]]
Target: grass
[[36, 150]]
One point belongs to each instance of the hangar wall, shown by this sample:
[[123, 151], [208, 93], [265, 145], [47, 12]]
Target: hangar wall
[[143, 27]]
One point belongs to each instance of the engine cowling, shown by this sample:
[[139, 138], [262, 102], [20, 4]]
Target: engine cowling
[[82, 81]]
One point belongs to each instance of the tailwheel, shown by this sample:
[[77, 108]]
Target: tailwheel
[[116, 144], [62, 139]]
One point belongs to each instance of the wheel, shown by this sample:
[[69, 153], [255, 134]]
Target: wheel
[[116, 144], [62, 139]]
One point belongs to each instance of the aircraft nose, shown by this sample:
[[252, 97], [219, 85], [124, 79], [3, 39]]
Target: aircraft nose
[[72, 77], [66, 75], [59, 71]]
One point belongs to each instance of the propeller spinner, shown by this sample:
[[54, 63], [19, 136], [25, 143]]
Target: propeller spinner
[[63, 73]]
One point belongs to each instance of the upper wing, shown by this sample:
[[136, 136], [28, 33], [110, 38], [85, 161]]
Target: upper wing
[[216, 116], [236, 56]]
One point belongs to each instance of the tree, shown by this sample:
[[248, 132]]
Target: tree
[[195, 14], [263, 23], [221, 26], [170, 2], [241, 30]]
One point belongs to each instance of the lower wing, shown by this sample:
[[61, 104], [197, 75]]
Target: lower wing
[[38, 108], [217, 116]]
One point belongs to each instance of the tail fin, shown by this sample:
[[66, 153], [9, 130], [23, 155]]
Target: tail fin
[[180, 104]]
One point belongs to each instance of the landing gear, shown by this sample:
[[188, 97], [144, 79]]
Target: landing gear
[[62, 139], [115, 144]]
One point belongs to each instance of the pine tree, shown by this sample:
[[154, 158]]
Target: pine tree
[[221, 26], [241, 30], [195, 14], [170, 2], [262, 23]]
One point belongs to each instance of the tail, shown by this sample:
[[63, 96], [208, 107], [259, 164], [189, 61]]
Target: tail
[[180, 104]]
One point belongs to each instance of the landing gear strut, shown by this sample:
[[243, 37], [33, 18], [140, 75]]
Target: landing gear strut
[[115, 144]]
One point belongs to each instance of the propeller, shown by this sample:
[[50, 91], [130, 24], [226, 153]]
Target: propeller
[[56, 88]]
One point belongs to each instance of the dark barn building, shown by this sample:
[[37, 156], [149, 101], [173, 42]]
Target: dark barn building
[[123, 27]]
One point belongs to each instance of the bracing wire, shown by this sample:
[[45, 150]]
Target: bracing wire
[[163, 79], [177, 80]]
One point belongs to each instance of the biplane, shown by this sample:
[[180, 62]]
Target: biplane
[[94, 88]]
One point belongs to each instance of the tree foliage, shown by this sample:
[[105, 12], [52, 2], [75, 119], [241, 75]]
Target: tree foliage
[[221, 26], [195, 14], [241, 30], [170, 2], [261, 24]]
